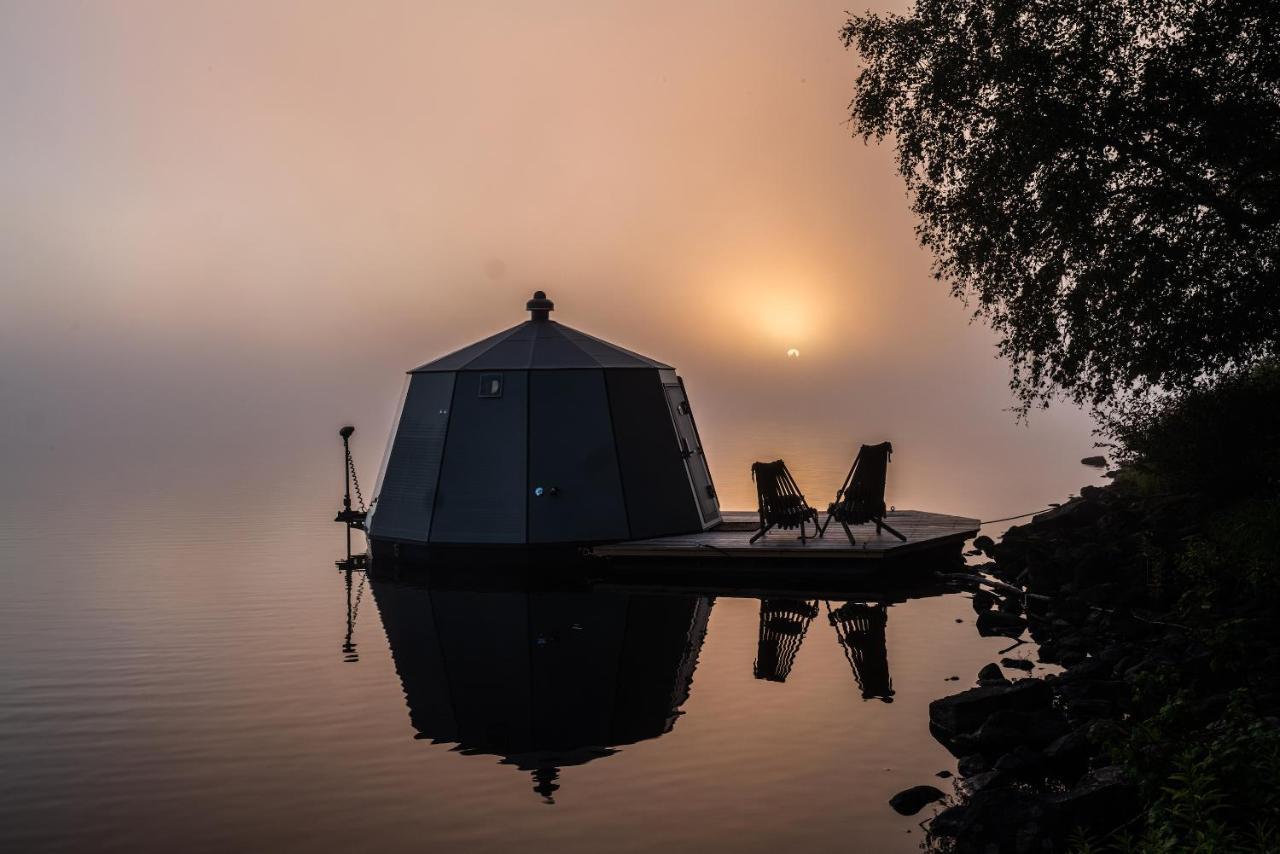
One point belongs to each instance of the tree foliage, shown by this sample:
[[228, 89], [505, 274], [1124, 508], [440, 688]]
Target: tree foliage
[[1100, 179]]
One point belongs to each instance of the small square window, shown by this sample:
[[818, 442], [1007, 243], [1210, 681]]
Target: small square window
[[491, 385]]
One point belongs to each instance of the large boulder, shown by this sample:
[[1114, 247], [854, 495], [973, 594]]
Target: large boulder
[[1000, 623], [1046, 726], [911, 801], [1002, 731], [991, 674], [1068, 756], [997, 818], [948, 822], [1098, 804], [1074, 514], [966, 711], [1023, 762]]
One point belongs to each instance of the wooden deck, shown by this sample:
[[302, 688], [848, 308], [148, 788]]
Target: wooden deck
[[732, 538]]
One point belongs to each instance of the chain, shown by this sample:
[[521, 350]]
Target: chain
[[355, 481], [355, 610]]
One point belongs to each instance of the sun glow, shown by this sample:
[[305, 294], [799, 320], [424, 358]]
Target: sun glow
[[773, 310]]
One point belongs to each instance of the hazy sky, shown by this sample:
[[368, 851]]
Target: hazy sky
[[229, 227]]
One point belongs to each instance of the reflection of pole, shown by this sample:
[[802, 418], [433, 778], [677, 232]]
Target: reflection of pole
[[544, 782], [348, 648]]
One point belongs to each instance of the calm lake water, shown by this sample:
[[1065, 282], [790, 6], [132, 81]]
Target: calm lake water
[[177, 675]]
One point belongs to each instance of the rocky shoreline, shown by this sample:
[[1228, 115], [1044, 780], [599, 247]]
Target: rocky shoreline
[[1043, 762]]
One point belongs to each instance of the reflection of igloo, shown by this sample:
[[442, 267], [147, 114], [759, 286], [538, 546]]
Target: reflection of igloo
[[543, 680]]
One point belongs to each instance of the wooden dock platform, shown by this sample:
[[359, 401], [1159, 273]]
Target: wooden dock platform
[[925, 532]]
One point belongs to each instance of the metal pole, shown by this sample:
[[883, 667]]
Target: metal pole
[[345, 433]]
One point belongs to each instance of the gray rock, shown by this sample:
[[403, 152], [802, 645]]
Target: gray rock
[[1000, 623], [1002, 818], [1002, 731], [1075, 513], [1049, 652], [1047, 727], [948, 822], [972, 765], [1071, 657], [1088, 668], [1022, 761], [966, 711], [1083, 708], [1104, 732], [1099, 803], [992, 779], [991, 674], [1068, 756], [1114, 654], [1010, 605], [911, 801], [1017, 663]]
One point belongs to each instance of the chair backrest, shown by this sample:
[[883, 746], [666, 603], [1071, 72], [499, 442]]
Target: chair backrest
[[862, 496], [776, 489]]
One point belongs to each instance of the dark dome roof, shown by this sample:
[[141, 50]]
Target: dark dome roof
[[539, 345]]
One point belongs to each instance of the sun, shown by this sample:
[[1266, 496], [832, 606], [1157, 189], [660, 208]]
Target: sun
[[793, 353]]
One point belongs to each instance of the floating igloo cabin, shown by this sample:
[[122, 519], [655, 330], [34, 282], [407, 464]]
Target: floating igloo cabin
[[542, 435]]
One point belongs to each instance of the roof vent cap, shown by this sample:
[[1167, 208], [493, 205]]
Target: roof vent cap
[[540, 307]]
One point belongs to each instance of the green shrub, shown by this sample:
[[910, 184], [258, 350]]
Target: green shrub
[[1222, 441], [1207, 789]]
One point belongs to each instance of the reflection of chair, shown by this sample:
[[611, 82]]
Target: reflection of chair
[[860, 628], [781, 502], [861, 499], [783, 623]]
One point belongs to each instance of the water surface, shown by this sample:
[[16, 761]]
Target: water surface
[[178, 673]]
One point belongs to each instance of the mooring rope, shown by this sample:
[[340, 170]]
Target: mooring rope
[[1011, 518]]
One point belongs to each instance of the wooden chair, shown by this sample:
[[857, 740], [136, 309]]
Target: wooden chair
[[861, 499], [781, 502]]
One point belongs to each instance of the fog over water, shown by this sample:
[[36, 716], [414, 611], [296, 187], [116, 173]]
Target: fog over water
[[233, 226]]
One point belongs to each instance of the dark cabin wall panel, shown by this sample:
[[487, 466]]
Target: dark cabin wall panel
[[571, 450], [482, 482], [406, 501], [654, 480]]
